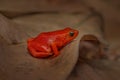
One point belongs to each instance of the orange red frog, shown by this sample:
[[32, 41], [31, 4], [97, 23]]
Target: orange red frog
[[48, 44]]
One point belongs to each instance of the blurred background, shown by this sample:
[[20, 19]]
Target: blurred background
[[21, 19], [108, 9]]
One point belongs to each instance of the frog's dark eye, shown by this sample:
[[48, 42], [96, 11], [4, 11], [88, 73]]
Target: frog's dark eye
[[71, 34]]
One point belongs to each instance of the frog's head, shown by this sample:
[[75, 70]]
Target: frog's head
[[69, 35]]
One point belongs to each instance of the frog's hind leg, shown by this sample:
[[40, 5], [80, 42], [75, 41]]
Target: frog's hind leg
[[38, 54]]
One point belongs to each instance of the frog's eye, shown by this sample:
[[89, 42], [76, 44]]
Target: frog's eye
[[71, 33]]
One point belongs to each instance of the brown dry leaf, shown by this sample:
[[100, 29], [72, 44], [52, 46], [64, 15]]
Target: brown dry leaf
[[16, 57], [24, 66]]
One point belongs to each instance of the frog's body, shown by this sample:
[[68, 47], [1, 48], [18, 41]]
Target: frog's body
[[49, 43]]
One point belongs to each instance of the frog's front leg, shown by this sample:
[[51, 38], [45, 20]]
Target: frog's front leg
[[55, 49]]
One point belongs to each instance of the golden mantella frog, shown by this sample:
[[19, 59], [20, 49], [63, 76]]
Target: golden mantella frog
[[48, 44]]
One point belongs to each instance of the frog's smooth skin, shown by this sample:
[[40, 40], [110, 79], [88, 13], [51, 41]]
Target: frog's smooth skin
[[48, 44]]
